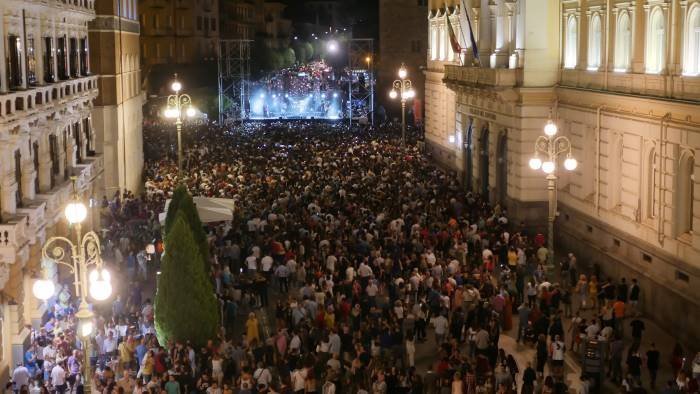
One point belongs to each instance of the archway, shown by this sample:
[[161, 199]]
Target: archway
[[484, 162], [502, 168]]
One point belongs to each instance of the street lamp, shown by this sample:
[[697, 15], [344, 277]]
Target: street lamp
[[78, 257], [402, 87], [551, 147], [176, 103]]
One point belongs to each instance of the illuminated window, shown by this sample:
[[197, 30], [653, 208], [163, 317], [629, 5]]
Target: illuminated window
[[622, 43], [571, 42], [594, 42], [655, 42], [692, 50]]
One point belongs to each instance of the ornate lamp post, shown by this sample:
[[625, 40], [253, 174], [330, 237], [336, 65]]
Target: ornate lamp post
[[78, 257], [176, 103], [402, 87], [552, 147]]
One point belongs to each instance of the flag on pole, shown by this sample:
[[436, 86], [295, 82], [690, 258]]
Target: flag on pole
[[456, 48], [475, 50]]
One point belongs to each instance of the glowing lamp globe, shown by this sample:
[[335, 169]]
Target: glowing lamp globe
[[550, 128], [548, 167], [176, 86], [403, 72], [100, 290], [411, 93], [570, 164], [332, 46], [43, 289], [191, 112], [75, 212], [393, 94], [86, 328], [170, 113], [535, 163]]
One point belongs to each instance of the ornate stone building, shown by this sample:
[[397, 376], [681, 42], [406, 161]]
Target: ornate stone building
[[117, 113], [622, 81], [46, 136]]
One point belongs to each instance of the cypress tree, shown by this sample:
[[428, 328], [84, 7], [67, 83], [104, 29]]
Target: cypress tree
[[178, 194], [185, 306]]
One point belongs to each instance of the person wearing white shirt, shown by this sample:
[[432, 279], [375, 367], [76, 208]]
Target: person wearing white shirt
[[252, 263], [350, 273], [58, 378], [266, 265]]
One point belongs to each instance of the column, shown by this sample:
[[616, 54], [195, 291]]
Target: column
[[41, 136], [23, 57], [499, 57], [39, 53], [484, 31], [519, 35], [639, 15], [3, 54]]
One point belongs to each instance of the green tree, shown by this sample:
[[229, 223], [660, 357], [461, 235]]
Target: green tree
[[185, 306], [179, 193]]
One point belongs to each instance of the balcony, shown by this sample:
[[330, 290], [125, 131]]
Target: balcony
[[24, 103], [91, 168], [35, 212], [456, 76], [14, 242]]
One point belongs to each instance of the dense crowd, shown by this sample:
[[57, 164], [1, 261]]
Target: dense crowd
[[352, 265]]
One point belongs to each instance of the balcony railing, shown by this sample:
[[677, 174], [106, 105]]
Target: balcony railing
[[35, 212], [87, 171], [479, 76], [20, 104]]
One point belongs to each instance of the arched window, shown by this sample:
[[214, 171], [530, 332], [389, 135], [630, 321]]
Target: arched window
[[594, 41], [655, 42], [692, 49], [652, 180], [685, 194], [571, 42], [622, 43], [433, 41]]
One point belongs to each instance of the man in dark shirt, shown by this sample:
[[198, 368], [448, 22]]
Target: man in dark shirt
[[653, 357], [622, 291], [634, 296], [529, 378], [637, 329]]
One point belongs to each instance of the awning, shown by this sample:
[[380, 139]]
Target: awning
[[209, 209]]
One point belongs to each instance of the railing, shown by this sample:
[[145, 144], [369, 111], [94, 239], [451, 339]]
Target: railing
[[75, 4], [498, 77], [19, 104]]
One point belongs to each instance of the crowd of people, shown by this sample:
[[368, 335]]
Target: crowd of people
[[352, 265]]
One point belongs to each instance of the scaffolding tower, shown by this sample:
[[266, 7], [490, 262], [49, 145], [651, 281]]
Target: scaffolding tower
[[234, 77], [361, 79]]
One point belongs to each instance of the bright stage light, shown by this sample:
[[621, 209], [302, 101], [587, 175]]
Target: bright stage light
[[286, 95], [335, 95], [323, 95], [262, 95]]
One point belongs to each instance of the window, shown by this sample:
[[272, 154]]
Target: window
[[685, 194], [48, 59], [571, 42], [199, 23], [213, 24], [655, 42], [692, 50], [622, 43], [433, 42], [84, 56], [31, 62], [14, 57], [422, 3], [594, 42], [61, 53]]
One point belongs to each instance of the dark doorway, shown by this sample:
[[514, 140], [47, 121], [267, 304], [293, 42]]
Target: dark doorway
[[502, 168], [484, 162]]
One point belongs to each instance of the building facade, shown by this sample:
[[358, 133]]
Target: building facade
[[178, 31], [398, 46], [46, 136], [622, 81], [257, 19], [117, 112]]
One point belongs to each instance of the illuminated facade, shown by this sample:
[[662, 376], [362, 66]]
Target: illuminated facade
[[47, 135], [622, 80]]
